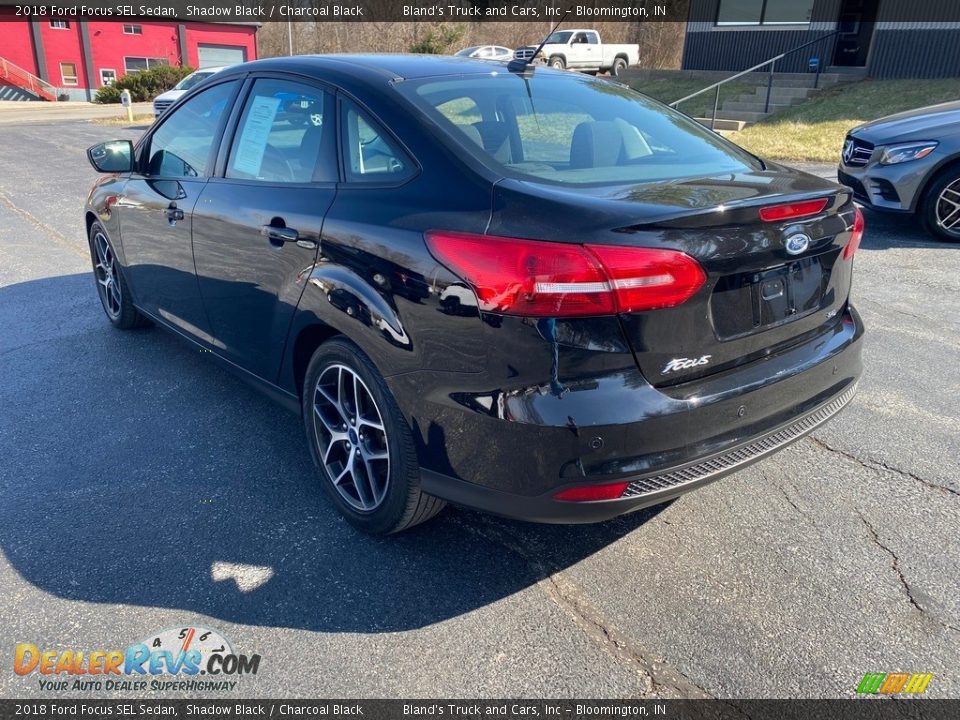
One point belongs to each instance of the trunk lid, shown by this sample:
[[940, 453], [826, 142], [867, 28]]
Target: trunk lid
[[759, 297]]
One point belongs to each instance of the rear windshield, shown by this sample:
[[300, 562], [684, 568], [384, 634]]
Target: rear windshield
[[570, 129]]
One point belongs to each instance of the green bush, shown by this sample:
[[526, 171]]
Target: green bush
[[144, 85], [439, 40], [108, 94]]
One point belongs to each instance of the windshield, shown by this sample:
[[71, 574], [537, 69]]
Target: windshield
[[567, 129], [559, 38], [468, 51], [191, 80]]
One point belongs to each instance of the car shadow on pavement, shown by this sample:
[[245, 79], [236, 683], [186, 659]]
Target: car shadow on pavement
[[889, 230], [137, 471]]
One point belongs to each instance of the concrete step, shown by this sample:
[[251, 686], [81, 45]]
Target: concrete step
[[750, 117], [762, 100], [754, 107], [857, 72], [781, 94], [723, 124]]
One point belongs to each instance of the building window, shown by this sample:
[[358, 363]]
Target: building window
[[135, 64], [60, 24], [764, 12], [68, 73], [107, 76], [133, 30]]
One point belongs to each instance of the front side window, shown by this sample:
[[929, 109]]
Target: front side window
[[764, 12], [181, 147], [559, 38], [284, 135], [68, 73], [572, 130], [370, 155]]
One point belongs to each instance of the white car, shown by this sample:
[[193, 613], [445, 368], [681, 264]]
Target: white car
[[486, 52], [162, 102]]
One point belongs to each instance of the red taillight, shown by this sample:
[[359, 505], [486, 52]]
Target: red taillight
[[647, 278], [856, 234], [585, 493], [791, 211], [533, 278]]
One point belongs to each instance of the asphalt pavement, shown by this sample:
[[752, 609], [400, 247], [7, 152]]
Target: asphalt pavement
[[143, 488]]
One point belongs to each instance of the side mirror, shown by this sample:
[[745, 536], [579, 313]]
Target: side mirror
[[114, 156]]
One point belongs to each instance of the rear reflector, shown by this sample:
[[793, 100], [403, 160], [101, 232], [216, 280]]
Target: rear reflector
[[791, 211], [610, 491], [532, 278], [856, 234]]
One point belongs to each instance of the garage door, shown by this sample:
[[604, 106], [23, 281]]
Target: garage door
[[218, 55]]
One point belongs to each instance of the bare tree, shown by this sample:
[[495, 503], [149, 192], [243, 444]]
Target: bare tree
[[661, 43]]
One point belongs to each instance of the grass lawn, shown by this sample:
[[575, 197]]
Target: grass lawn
[[121, 118], [667, 90], [815, 130]]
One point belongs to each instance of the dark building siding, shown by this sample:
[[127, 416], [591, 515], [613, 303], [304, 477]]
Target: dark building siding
[[894, 53], [733, 50]]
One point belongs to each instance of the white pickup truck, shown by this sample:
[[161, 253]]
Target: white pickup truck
[[582, 50]]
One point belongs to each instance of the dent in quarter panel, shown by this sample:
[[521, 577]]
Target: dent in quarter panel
[[377, 283]]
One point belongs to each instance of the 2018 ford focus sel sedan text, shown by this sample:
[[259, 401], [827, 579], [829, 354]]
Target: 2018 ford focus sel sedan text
[[535, 293]]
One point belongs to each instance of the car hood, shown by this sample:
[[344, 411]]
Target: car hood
[[910, 125], [170, 95]]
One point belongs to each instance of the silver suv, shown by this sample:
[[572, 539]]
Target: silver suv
[[909, 163]]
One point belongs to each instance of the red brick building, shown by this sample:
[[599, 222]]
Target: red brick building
[[47, 58]]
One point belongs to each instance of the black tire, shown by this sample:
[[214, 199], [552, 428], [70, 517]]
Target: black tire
[[558, 63], [111, 286], [402, 504], [933, 208], [619, 65]]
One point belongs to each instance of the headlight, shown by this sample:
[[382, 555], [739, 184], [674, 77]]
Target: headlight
[[893, 154]]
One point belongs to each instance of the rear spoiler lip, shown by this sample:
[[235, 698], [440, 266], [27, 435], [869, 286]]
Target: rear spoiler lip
[[741, 212]]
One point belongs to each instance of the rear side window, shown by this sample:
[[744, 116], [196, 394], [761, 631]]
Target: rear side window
[[370, 154], [284, 135], [181, 145]]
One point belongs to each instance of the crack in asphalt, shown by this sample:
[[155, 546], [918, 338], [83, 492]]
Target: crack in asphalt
[[660, 679], [879, 466], [55, 234], [895, 564]]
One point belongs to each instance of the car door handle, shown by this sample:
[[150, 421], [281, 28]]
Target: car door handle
[[279, 235], [174, 213]]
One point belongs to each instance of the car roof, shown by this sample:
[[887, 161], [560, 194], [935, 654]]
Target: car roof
[[388, 66]]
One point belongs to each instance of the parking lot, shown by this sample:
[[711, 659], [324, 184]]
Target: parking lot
[[143, 488]]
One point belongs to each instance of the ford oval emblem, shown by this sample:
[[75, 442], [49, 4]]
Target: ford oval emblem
[[796, 244]]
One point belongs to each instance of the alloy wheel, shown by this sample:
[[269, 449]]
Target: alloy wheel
[[351, 439], [948, 207], [108, 281]]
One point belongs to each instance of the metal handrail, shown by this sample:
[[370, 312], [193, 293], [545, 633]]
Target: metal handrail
[[26, 80], [772, 62]]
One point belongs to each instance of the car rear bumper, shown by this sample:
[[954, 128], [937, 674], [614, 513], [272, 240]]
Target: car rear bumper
[[641, 492], [662, 441]]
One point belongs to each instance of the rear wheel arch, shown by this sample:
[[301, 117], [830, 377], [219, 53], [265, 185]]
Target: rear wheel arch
[[305, 345]]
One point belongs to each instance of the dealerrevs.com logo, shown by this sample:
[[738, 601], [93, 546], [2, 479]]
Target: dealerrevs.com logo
[[182, 659]]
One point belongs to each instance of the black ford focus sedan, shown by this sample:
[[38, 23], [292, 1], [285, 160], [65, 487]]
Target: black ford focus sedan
[[521, 290]]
